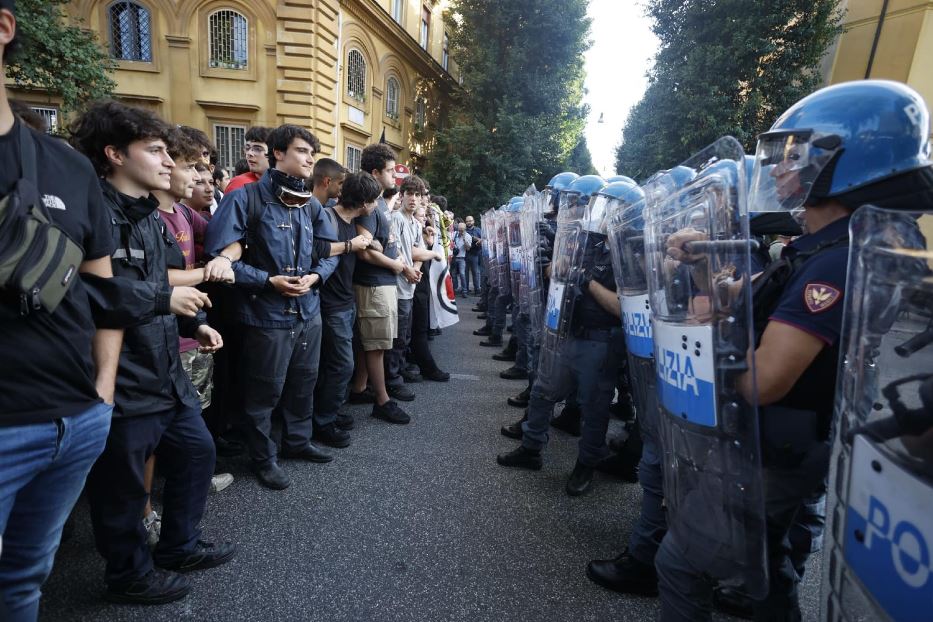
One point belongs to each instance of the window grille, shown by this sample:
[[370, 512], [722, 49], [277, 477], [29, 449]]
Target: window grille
[[392, 98], [228, 33], [397, 10], [230, 140], [50, 115], [130, 32], [356, 75], [445, 57], [421, 112], [354, 156]]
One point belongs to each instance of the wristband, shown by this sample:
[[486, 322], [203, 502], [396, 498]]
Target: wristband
[[346, 247]]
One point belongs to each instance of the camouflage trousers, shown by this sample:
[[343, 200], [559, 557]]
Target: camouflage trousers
[[200, 369]]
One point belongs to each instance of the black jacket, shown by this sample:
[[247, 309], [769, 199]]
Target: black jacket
[[150, 378]]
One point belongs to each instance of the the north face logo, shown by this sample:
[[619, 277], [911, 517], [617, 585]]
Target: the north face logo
[[53, 202]]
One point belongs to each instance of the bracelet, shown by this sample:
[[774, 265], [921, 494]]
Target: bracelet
[[346, 247], [225, 257]]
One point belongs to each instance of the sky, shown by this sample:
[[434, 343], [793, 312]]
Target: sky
[[622, 51]]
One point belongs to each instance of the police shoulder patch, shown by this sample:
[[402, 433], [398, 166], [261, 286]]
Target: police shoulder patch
[[820, 297]]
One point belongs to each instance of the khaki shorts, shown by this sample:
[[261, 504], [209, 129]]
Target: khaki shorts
[[377, 316]]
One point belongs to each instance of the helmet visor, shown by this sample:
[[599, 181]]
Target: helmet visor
[[787, 164]]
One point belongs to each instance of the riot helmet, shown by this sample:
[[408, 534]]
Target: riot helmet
[[617, 178], [839, 140], [551, 193], [578, 193], [610, 201]]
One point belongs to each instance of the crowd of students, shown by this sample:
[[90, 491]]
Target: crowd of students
[[207, 307]]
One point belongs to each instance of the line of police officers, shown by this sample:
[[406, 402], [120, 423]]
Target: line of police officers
[[761, 387]]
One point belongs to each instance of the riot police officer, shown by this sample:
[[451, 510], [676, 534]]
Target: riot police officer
[[575, 351], [829, 153]]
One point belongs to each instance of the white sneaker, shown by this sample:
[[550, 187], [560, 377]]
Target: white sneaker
[[153, 526], [221, 481]]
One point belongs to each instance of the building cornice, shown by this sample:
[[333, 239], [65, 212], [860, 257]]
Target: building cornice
[[377, 20]]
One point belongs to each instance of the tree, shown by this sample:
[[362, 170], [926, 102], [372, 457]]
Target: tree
[[57, 58], [724, 67], [519, 114], [580, 160]]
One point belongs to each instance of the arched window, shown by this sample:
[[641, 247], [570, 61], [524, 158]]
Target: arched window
[[228, 37], [356, 75], [421, 111], [130, 32], [393, 93]]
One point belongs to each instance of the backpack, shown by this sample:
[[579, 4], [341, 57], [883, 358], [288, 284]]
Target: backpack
[[38, 261]]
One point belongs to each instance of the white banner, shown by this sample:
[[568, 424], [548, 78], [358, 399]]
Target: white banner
[[443, 305]]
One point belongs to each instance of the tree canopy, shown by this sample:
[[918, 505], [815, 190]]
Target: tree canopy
[[57, 58], [724, 67], [519, 117]]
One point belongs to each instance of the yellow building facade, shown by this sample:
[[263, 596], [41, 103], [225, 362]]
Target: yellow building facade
[[345, 69]]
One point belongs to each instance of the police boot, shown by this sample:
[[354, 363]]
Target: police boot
[[514, 430], [522, 458], [621, 465], [482, 332], [569, 420], [508, 353], [733, 602], [624, 574], [580, 479], [492, 342], [520, 400], [623, 408]]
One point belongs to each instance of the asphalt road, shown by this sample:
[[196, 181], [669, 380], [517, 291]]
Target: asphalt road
[[412, 522]]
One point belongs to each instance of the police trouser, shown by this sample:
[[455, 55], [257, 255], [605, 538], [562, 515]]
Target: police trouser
[[651, 525], [686, 594], [117, 493], [500, 315], [520, 332], [588, 367], [492, 295], [280, 370]]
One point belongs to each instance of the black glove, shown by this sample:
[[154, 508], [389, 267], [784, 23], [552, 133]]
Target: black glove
[[600, 273], [546, 232]]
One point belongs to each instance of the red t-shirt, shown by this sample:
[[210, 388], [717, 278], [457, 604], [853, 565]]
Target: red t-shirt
[[190, 239], [239, 181]]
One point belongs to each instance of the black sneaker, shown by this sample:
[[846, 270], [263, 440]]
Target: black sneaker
[[332, 436], [272, 476], [366, 396], [400, 392], [156, 587], [624, 574], [409, 376], [522, 458], [482, 332], [514, 430], [580, 479], [520, 400], [391, 412], [205, 555], [436, 376], [345, 421]]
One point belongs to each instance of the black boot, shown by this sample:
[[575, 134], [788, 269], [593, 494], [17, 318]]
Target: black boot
[[514, 373], [520, 400], [522, 458], [514, 430], [623, 466], [733, 602], [569, 420], [492, 342], [482, 332], [624, 574], [580, 479]]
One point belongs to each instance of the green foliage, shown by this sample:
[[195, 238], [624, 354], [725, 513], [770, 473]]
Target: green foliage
[[580, 160], [519, 115], [724, 67], [56, 58]]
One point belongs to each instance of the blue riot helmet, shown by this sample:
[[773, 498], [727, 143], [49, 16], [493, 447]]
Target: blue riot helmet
[[609, 201], [839, 141], [616, 178], [551, 192], [515, 204], [579, 191]]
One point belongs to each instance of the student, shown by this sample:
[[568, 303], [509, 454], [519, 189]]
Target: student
[[57, 385], [257, 158], [156, 407]]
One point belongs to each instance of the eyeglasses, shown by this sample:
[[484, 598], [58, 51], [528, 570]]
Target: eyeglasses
[[257, 149]]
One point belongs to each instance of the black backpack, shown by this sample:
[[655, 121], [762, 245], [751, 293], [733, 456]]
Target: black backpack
[[38, 261]]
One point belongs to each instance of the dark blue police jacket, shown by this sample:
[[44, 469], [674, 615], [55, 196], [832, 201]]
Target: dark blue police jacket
[[282, 245]]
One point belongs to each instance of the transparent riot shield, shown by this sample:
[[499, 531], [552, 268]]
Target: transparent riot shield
[[502, 251], [877, 558], [489, 247], [626, 237], [563, 290], [515, 245], [697, 247]]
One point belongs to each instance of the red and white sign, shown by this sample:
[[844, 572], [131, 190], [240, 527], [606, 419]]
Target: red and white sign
[[401, 172]]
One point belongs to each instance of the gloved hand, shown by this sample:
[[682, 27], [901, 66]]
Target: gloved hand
[[547, 230], [601, 273]]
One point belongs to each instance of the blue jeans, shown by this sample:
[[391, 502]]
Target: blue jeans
[[473, 271], [458, 273], [588, 368], [336, 366], [44, 468]]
